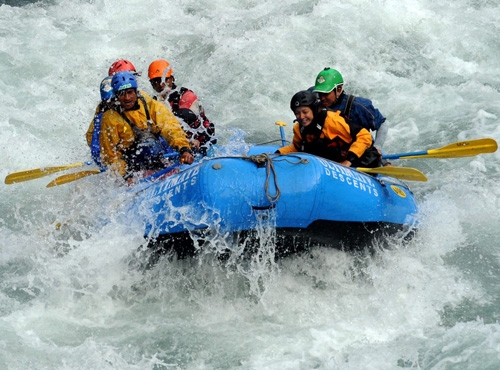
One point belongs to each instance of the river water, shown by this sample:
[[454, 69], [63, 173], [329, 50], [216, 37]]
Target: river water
[[72, 294]]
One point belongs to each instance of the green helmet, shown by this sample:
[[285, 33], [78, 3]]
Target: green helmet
[[327, 80]]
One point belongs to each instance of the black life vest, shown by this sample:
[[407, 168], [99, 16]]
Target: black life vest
[[335, 149]]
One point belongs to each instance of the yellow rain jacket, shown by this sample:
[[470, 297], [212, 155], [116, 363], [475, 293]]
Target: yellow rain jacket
[[117, 135]]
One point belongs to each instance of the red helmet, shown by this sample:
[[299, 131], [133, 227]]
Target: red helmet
[[121, 65]]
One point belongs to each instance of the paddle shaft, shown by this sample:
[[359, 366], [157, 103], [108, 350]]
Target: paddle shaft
[[64, 179], [402, 155], [282, 133], [402, 173], [37, 173], [459, 149], [282, 124]]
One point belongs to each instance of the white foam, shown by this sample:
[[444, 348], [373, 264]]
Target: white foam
[[74, 298]]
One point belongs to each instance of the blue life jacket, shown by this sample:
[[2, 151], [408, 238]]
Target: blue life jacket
[[95, 146]]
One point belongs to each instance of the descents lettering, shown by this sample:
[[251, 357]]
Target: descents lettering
[[179, 183], [350, 177]]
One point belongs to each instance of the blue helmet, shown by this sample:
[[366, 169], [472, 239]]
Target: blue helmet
[[106, 89], [122, 81]]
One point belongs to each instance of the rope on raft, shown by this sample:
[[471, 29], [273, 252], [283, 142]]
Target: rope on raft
[[265, 160]]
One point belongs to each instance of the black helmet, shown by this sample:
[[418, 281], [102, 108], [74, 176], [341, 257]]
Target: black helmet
[[305, 98]]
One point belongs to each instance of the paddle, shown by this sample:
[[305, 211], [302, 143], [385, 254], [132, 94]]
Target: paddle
[[37, 173], [71, 177], [402, 173], [459, 149], [281, 124], [64, 179]]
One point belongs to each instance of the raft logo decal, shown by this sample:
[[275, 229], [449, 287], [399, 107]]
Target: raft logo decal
[[350, 177], [398, 191], [177, 184]]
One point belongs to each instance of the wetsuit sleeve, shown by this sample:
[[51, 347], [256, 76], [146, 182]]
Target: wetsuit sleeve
[[296, 142], [116, 135]]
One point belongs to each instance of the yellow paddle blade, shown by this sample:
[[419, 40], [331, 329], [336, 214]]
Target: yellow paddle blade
[[402, 173], [71, 177], [36, 173], [459, 149]]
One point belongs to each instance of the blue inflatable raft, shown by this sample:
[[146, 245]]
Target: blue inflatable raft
[[298, 196]]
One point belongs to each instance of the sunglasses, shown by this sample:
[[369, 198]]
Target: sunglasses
[[158, 80]]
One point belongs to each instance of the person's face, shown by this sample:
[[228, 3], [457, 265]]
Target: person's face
[[328, 99], [159, 85], [304, 115], [127, 98]]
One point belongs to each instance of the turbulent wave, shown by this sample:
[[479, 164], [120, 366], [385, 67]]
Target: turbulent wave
[[74, 293]]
